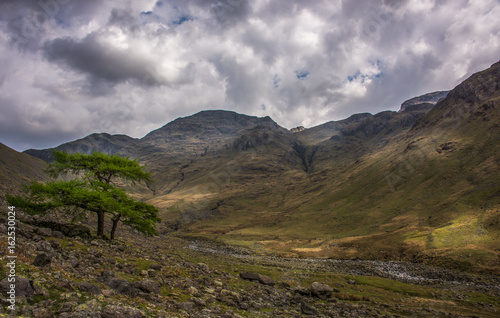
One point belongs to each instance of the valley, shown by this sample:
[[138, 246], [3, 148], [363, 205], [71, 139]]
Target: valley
[[385, 215]]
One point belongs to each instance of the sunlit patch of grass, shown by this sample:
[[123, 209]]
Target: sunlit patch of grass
[[463, 231]]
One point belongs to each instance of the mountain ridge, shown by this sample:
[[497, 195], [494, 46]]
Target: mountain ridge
[[420, 184]]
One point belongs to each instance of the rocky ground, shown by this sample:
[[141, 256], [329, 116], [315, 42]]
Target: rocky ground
[[64, 272]]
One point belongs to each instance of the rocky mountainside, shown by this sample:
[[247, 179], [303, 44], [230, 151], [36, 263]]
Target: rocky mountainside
[[410, 185], [102, 142], [430, 98], [383, 215], [18, 169]]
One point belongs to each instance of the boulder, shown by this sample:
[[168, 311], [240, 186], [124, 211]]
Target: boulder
[[80, 314], [89, 288], [321, 290], [263, 279], [308, 309], [42, 259], [112, 311], [148, 286], [42, 313], [123, 287], [90, 306], [24, 289]]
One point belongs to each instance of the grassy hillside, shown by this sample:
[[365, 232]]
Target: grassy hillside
[[427, 192], [18, 169]]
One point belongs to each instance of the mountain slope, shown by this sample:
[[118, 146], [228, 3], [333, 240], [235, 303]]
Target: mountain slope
[[102, 142], [430, 98], [421, 188], [18, 169], [420, 184]]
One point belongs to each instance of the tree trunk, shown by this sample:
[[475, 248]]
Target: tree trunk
[[115, 225], [100, 224]]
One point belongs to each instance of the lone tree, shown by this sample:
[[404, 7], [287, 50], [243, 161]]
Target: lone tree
[[94, 190]]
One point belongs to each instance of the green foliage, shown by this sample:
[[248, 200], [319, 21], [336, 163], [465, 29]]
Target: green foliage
[[94, 191], [97, 166]]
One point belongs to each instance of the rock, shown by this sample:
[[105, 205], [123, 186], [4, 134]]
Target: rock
[[203, 267], [123, 287], [57, 234], [89, 288], [54, 244], [41, 260], [151, 273], [307, 309], [186, 306], [351, 281], [106, 276], [80, 314], [112, 311], [38, 288], [302, 291], [321, 290], [71, 230], [74, 262], [229, 295], [67, 307], [144, 273], [23, 288], [263, 279], [44, 246], [192, 290], [42, 313], [43, 231], [155, 266], [148, 286], [92, 306]]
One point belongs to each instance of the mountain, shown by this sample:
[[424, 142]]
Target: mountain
[[101, 142], [18, 169], [430, 98], [418, 185]]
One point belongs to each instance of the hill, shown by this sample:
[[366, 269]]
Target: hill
[[417, 185], [18, 169], [102, 142]]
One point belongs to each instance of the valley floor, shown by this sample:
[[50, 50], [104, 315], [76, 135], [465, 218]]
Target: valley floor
[[170, 277]]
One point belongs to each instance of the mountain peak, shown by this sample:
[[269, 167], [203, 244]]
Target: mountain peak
[[430, 98], [206, 124]]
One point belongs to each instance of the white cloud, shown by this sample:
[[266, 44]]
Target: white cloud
[[132, 66]]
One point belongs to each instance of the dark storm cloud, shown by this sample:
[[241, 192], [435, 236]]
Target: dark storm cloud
[[102, 63], [27, 20]]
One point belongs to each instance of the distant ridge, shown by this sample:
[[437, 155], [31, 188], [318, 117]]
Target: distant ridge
[[430, 98], [101, 142]]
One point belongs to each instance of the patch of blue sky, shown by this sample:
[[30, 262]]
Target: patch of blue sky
[[302, 74], [183, 19], [276, 81]]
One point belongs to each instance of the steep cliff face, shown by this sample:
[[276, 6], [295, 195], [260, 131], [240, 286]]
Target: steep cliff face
[[430, 98]]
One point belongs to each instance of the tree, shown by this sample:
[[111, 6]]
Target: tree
[[94, 190]]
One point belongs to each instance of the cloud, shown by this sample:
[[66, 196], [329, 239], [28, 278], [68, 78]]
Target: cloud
[[69, 68], [102, 62]]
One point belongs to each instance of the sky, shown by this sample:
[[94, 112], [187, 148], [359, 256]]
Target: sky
[[70, 68]]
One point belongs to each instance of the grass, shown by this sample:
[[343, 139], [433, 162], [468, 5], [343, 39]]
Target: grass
[[437, 205]]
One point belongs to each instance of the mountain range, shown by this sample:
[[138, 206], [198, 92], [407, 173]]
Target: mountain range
[[421, 184]]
